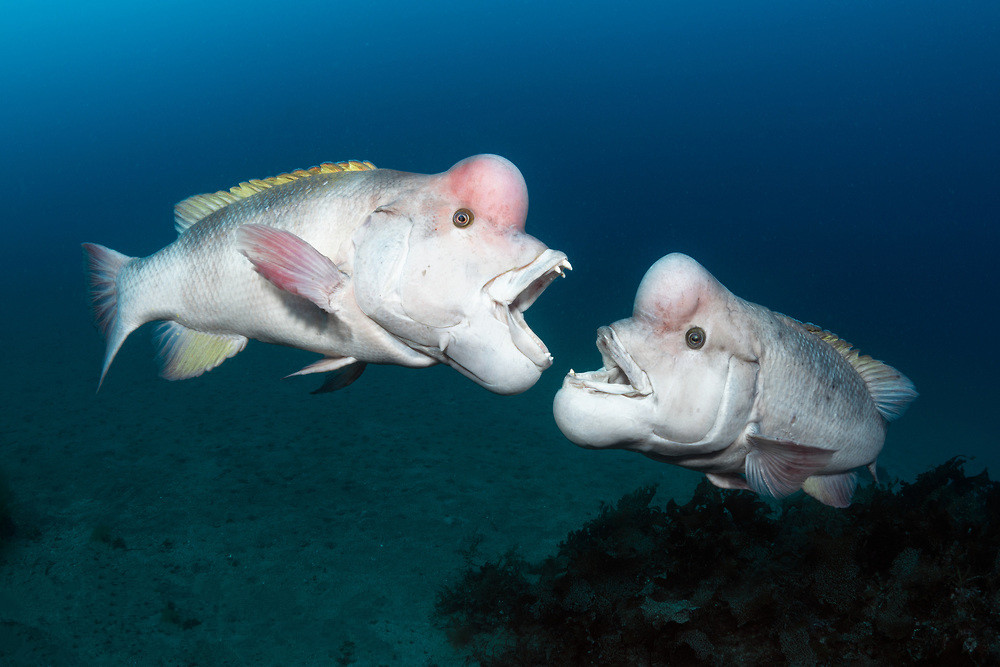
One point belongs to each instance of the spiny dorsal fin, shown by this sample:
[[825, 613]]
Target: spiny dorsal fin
[[891, 390], [193, 209]]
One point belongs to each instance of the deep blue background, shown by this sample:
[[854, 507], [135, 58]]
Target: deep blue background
[[834, 161]]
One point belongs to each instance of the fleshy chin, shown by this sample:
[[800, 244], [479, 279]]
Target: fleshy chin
[[596, 420], [501, 368]]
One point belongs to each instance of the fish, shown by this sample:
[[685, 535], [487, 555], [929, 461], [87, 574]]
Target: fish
[[358, 264], [699, 378]]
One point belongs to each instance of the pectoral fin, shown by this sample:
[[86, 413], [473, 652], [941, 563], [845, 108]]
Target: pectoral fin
[[291, 264], [779, 467]]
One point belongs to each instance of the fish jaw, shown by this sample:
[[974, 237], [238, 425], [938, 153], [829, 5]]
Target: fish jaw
[[512, 293], [494, 346], [649, 399], [611, 407], [620, 375]]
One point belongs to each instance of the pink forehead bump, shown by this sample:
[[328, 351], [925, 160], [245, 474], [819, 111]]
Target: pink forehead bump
[[492, 187], [672, 290]]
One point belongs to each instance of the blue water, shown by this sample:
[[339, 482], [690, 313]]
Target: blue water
[[837, 162]]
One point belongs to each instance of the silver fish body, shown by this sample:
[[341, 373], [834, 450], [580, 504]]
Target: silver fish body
[[358, 264]]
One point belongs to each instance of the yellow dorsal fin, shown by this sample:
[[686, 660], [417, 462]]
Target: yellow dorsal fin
[[193, 209], [891, 390]]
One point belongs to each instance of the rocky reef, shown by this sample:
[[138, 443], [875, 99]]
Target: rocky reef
[[907, 574]]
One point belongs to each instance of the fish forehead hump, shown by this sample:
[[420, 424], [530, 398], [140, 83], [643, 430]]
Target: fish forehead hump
[[674, 289], [493, 187]]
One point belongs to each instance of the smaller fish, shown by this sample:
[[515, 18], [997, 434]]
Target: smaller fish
[[756, 400]]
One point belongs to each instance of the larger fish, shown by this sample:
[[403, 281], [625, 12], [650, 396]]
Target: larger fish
[[700, 378], [358, 264]]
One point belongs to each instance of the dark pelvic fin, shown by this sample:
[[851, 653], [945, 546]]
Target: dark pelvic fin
[[341, 378]]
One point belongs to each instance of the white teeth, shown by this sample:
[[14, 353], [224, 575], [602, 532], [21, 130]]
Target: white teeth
[[620, 375], [527, 342]]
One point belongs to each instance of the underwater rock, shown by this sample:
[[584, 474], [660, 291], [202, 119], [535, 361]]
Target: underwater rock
[[909, 573]]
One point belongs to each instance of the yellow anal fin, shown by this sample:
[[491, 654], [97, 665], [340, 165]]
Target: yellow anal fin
[[186, 353], [195, 208], [891, 390]]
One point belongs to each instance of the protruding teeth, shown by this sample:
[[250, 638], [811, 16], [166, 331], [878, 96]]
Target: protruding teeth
[[572, 372]]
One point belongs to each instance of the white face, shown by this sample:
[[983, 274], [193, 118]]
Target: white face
[[449, 270], [678, 376]]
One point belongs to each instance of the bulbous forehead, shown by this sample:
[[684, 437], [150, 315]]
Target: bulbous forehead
[[673, 290], [492, 187]]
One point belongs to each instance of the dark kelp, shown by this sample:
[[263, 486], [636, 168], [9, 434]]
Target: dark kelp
[[908, 573]]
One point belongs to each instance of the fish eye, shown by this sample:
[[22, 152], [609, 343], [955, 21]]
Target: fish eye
[[695, 338], [463, 217]]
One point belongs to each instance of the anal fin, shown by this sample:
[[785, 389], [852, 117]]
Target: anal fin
[[833, 490], [779, 467], [727, 480], [187, 353]]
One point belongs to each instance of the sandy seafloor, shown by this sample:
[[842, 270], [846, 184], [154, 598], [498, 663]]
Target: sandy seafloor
[[286, 524], [277, 525]]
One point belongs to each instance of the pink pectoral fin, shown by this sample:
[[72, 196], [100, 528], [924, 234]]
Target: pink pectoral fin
[[291, 264], [779, 467]]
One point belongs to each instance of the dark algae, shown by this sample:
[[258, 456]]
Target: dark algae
[[908, 574]]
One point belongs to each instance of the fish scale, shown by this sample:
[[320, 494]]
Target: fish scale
[[800, 406]]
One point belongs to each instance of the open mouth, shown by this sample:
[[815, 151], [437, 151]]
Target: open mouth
[[514, 291], [620, 374]]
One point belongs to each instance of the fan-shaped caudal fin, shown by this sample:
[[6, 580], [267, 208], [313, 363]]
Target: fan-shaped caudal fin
[[104, 266]]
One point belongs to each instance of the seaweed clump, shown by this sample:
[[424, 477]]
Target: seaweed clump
[[909, 573]]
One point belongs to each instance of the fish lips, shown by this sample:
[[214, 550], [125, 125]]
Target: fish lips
[[513, 292], [620, 374]]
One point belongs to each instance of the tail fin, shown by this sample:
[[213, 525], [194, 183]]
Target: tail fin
[[104, 266]]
